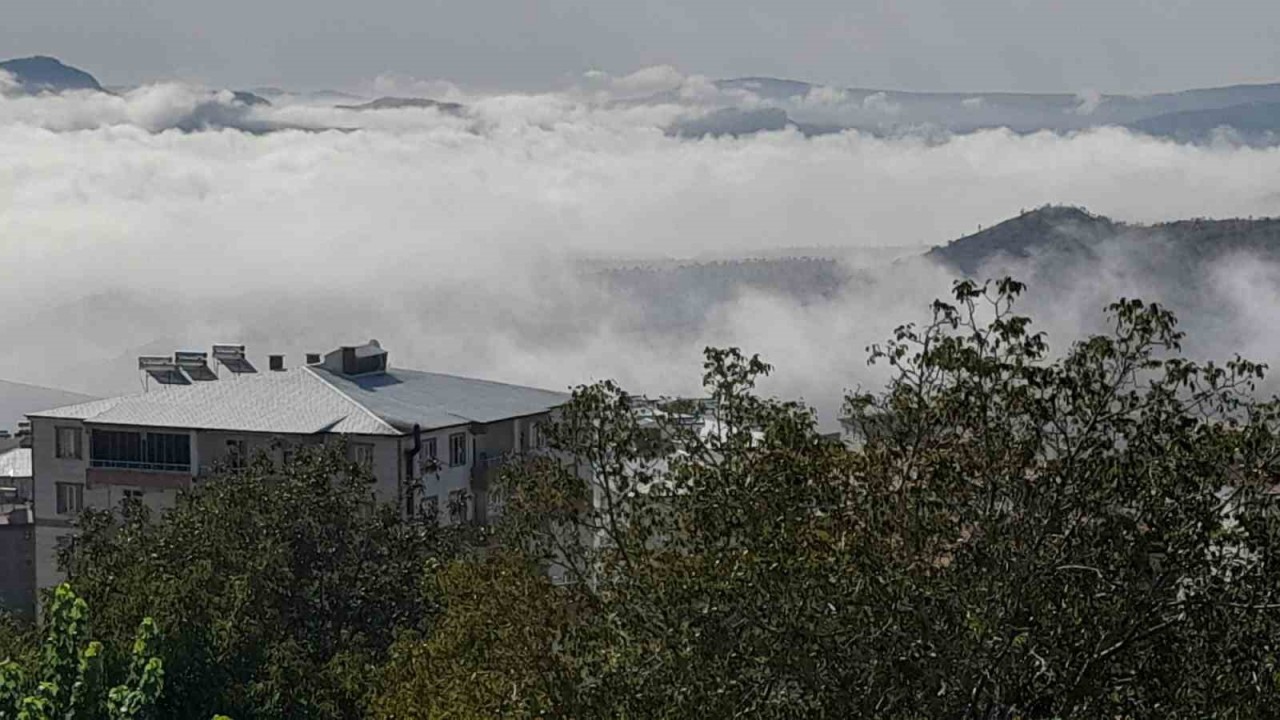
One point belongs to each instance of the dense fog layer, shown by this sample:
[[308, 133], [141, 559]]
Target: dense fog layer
[[474, 243]]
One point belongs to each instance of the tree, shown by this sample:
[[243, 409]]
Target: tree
[[277, 589], [1015, 534], [482, 659], [68, 680]]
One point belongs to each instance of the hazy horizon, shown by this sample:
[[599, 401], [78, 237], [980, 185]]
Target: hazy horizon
[[1125, 47]]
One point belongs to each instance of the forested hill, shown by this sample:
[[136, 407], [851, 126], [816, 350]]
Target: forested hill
[[1057, 234]]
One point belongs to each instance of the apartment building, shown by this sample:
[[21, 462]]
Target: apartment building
[[17, 533], [427, 437]]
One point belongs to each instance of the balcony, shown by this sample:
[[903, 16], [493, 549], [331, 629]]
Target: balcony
[[141, 465], [485, 464], [156, 476]]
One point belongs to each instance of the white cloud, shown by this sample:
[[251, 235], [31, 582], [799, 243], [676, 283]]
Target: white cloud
[[452, 240], [880, 103], [1089, 102], [9, 85], [649, 81], [825, 95]]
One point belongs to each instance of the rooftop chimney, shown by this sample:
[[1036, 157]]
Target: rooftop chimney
[[313, 358], [276, 362]]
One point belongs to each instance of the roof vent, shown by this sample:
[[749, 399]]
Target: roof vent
[[276, 362], [367, 359], [313, 358]]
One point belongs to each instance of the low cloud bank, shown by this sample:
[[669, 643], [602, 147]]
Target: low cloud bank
[[471, 244]]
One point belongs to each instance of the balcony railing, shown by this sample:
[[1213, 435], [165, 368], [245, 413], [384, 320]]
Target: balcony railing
[[141, 465]]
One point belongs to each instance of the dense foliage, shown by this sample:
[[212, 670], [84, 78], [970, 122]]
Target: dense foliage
[[1016, 534], [68, 678], [1007, 533], [276, 589]]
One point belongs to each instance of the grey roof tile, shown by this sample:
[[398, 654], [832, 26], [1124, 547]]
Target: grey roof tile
[[315, 400], [16, 463], [294, 402], [404, 398]]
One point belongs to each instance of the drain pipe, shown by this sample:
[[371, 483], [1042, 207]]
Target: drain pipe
[[410, 454]]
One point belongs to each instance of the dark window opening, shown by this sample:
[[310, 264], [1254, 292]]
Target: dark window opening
[[140, 451]]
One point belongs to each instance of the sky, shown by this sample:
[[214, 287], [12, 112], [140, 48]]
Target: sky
[[1129, 46]]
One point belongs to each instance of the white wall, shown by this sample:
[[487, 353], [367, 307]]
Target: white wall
[[444, 479]]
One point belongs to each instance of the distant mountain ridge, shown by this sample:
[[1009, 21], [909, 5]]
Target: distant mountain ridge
[[1254, 123], [397, 103], [1059, 236], [816, 109], [41, 74]]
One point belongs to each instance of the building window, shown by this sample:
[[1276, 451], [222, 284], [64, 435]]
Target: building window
[[431, 507], [168, 451], [362, 453], [236, 453], [457, 449], [149, 451], [131, 495], [70, 498], [429, 456], [537, 436], [67, 443], [458, 506]]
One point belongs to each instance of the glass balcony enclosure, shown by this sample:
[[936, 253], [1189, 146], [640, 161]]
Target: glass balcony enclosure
[[166, 452]]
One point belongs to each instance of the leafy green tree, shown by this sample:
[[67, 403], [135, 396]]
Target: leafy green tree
[[1015, 533], [482, 659], [68, 679], [277, 590]]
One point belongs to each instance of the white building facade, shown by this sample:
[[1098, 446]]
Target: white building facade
[[432, 441]]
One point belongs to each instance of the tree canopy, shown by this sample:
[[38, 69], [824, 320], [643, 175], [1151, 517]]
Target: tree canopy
[[1008, 531], [276, 589], [1014, 533]]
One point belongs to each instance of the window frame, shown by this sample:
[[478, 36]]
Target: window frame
[[357, 449], [76, 450], [458, 451], [431, 507], [140, 450], [459, 506], [237, 459], [62, 501]]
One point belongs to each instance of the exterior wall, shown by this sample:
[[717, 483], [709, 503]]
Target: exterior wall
[[48, 470], [106, 487], [388, 463], [444, 479], [17, 564], [101, 488]]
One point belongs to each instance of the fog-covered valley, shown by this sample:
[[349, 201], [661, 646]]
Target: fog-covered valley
[[555, 238]]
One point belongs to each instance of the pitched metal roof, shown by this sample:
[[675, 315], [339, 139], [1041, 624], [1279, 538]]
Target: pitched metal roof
[[404, 398], [17, 399], [293, 402], [314, 400], [16, 463]]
